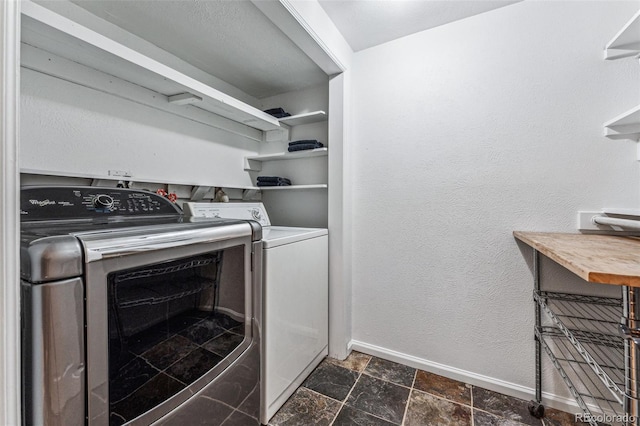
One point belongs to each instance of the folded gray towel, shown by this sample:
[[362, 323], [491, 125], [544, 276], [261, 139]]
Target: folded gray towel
[[277, 112], [304, 146], [273, 184], [273, 180], [303, 141]]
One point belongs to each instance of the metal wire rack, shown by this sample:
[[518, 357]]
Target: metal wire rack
[[168, 269], [583, 343]]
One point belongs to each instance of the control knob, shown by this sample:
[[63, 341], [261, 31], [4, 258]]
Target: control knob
[[103, 201]]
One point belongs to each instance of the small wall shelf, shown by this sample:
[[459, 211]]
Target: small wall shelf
[[627, 42], [306, 118], [625, 126], [254, 163]]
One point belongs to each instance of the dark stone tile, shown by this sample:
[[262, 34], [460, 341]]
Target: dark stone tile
[[382, 399], [331, 380], [130, 377], [203, 331], [144, 341], [426, 409], [193, 365], [198, 315], [223, 344], [306, 408], [239, 386], [554, 417], [443, 387], [350, 416], [480, 418], [390, 371], [226, 322], [199, 411], [166, 353], [119, 355], [180, 322], [356, 361], [503, 406], [239, 329], [240, 419], [251, 405], [154, 392]]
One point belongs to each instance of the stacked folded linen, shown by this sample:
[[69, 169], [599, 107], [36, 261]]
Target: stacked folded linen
[[304, 144], [277, 112], [273, 181]]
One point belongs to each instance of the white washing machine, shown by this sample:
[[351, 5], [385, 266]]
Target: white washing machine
[[295, 297]]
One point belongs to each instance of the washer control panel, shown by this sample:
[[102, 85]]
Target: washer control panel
[[48, 203], [247, 211]]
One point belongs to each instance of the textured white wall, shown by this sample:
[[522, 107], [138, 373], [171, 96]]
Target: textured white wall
[[464, 133], [72, 130]]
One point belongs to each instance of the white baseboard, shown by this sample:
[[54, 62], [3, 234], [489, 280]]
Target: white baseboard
[[497, 385]]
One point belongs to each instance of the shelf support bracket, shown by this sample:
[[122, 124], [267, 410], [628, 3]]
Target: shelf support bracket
[[251, 194], [198, 192]]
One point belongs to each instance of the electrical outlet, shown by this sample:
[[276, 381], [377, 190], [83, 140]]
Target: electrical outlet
[[585, 222]]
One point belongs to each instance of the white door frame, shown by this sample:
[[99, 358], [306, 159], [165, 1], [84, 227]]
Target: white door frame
[[9, 218], [310, 28]]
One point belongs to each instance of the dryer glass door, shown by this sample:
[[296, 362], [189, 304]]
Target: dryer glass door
[[162, 324]]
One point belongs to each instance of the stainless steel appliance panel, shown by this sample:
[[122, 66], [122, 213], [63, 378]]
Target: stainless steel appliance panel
[[53, 352], [114, 279]]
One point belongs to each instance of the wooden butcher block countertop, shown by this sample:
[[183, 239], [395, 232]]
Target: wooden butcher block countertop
[[602, 259]]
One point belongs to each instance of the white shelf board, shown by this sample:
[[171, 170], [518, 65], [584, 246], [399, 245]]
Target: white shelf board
[[34, 60], [318, 152], [254, 163], [291, 187], [134, 178], [306, 118], [626, 42], [625, 126], [51, 32]]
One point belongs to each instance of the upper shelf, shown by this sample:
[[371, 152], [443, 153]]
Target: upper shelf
[[56, 34], [254, 163], [306, 118], [625, 126], [626, 42]]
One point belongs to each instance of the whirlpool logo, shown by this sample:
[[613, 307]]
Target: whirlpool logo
[[41, 203]]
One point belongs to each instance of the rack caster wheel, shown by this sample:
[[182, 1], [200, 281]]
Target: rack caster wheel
[[536, 409]]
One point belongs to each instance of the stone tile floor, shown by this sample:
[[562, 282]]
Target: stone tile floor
[[369, 391]]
